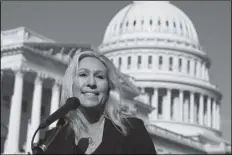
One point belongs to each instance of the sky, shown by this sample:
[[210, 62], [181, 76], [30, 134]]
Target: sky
[[85, 22]]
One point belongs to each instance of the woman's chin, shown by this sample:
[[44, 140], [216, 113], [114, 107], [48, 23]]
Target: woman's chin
[[90, 105]]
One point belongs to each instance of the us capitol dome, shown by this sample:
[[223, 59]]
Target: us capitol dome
[[157, 45]]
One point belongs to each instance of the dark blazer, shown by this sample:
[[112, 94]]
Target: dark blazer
[[138, 140]]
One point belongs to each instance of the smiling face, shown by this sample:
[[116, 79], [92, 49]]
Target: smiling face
[[91, 82]]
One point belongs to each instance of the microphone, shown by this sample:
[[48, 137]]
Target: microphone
[[71, 104]]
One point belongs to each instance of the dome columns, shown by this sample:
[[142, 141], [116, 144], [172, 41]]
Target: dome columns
[[183, 106]]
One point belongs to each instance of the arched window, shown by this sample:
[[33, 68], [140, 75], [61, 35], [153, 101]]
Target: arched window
[[139, 62], [180, 65], [170, 63], [150, 61], [128, 62], [160, 62]]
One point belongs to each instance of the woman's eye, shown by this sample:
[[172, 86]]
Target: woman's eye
[[82, 75], [100, 77]]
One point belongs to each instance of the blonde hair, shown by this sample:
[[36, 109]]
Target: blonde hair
[[113, 105]]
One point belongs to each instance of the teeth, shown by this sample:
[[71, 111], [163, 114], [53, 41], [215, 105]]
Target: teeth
[[90, 94]]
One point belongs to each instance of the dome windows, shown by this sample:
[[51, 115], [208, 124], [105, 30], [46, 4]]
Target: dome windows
[[170, 63], [160, 62], [128, 62], [167, 23], [149, 61], [139, 62], [188, 66], [159, 22], [134, 23], [151, 22], [180, 65], [119, 62]]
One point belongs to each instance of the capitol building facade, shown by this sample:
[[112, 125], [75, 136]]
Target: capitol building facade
[[156, 47]]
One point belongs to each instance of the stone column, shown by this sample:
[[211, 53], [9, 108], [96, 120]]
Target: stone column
[[186, 110], [55, 100], [133, 62], [165, 64], [191, 107], [155, 62], [206, 73], [184, 66], [175, 64], [12, 141], [201, 110], [176, 109], [124, 63], [218, 117], [203, 71], [154, 102], [214, 113], [198, 69], [36, 112], [209, 111], [116, 62], [181, 100], [168, 105], [144, 62], [192, 67]]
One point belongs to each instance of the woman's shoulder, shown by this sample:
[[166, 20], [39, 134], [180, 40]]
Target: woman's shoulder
[[134, 122]]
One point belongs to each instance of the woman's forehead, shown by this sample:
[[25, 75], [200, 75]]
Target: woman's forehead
[[93, 63]]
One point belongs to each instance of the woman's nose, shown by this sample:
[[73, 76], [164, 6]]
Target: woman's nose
[[91, 82]]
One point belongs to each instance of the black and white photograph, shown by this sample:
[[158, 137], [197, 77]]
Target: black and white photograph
[[116, 77]]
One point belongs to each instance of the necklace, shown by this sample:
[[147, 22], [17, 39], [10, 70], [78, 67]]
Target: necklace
[[96, 136], [90, 140]]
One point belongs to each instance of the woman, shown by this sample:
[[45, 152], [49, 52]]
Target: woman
[[98, 126]]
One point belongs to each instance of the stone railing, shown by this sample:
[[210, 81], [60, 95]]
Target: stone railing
[[175, 137]]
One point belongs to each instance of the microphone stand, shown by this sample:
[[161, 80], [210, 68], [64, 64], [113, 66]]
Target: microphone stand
[[41, 148]]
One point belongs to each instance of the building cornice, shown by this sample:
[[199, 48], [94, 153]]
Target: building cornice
[[152, 43], [62, 53]]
